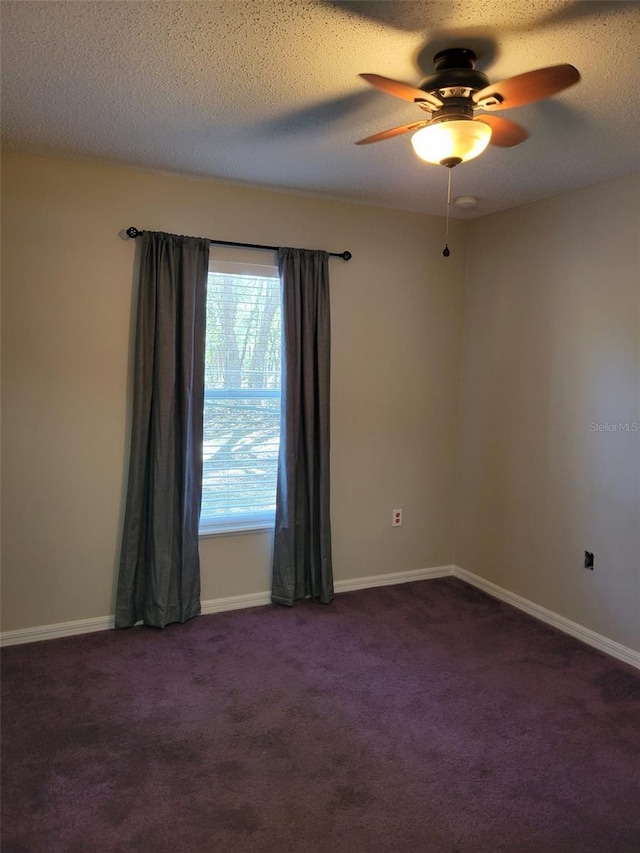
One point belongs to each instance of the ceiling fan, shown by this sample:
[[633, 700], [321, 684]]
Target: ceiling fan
[[451, 95]]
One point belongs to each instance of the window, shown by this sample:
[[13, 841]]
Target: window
[[242, 396]]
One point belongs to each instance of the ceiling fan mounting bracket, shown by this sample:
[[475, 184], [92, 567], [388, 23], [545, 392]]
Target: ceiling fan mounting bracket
[[454, 57], [491, 102]]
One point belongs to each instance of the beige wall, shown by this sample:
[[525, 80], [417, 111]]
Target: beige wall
[[551, 346], [67, 296], [551, 349]]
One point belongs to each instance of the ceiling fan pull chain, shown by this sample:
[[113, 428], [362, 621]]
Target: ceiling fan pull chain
[[446, 251]]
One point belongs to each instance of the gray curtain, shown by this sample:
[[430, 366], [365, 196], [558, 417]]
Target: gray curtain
[[159, 580], [302, 545]]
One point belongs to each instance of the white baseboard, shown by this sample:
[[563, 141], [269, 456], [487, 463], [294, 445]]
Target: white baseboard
[[235, 602], [591, 638], [393, 578], [256, 599], [52, 632]]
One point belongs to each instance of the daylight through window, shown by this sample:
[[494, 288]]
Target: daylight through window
[[242, 397]]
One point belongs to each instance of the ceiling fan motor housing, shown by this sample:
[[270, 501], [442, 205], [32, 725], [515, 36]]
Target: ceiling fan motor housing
[[454, 109], [455, 74]]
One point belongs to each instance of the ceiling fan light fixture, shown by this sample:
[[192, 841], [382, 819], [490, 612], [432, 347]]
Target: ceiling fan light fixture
[[459, 139]]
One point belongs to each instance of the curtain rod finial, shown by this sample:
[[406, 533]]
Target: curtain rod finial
[[133, 232]]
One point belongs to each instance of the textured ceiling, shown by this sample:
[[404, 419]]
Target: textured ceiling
[[266, 92]]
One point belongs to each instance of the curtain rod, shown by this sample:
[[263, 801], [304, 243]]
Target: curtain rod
[[346, 256]]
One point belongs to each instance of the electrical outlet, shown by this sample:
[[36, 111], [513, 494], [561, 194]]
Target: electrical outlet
[[396, 520], [588, 560]]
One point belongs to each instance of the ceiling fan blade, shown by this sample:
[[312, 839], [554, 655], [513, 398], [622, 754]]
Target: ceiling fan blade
[[504, 133], [396, 131], [403, 90], [526, 88]]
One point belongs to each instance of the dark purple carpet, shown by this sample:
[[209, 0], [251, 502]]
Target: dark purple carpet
[[421, 717]]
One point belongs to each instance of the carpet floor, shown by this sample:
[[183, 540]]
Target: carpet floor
[[413, 718]]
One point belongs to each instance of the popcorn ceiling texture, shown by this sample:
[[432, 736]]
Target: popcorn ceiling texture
[[267, 92]]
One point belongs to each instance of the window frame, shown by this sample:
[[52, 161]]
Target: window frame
[[258, 264]]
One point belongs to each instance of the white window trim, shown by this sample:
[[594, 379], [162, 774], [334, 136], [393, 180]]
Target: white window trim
[[255, 524]]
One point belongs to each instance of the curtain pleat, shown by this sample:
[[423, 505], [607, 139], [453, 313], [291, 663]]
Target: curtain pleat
[[159, 578], [302, 565]]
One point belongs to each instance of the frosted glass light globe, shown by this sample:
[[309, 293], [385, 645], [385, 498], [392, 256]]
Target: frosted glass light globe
[[460, 139]]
